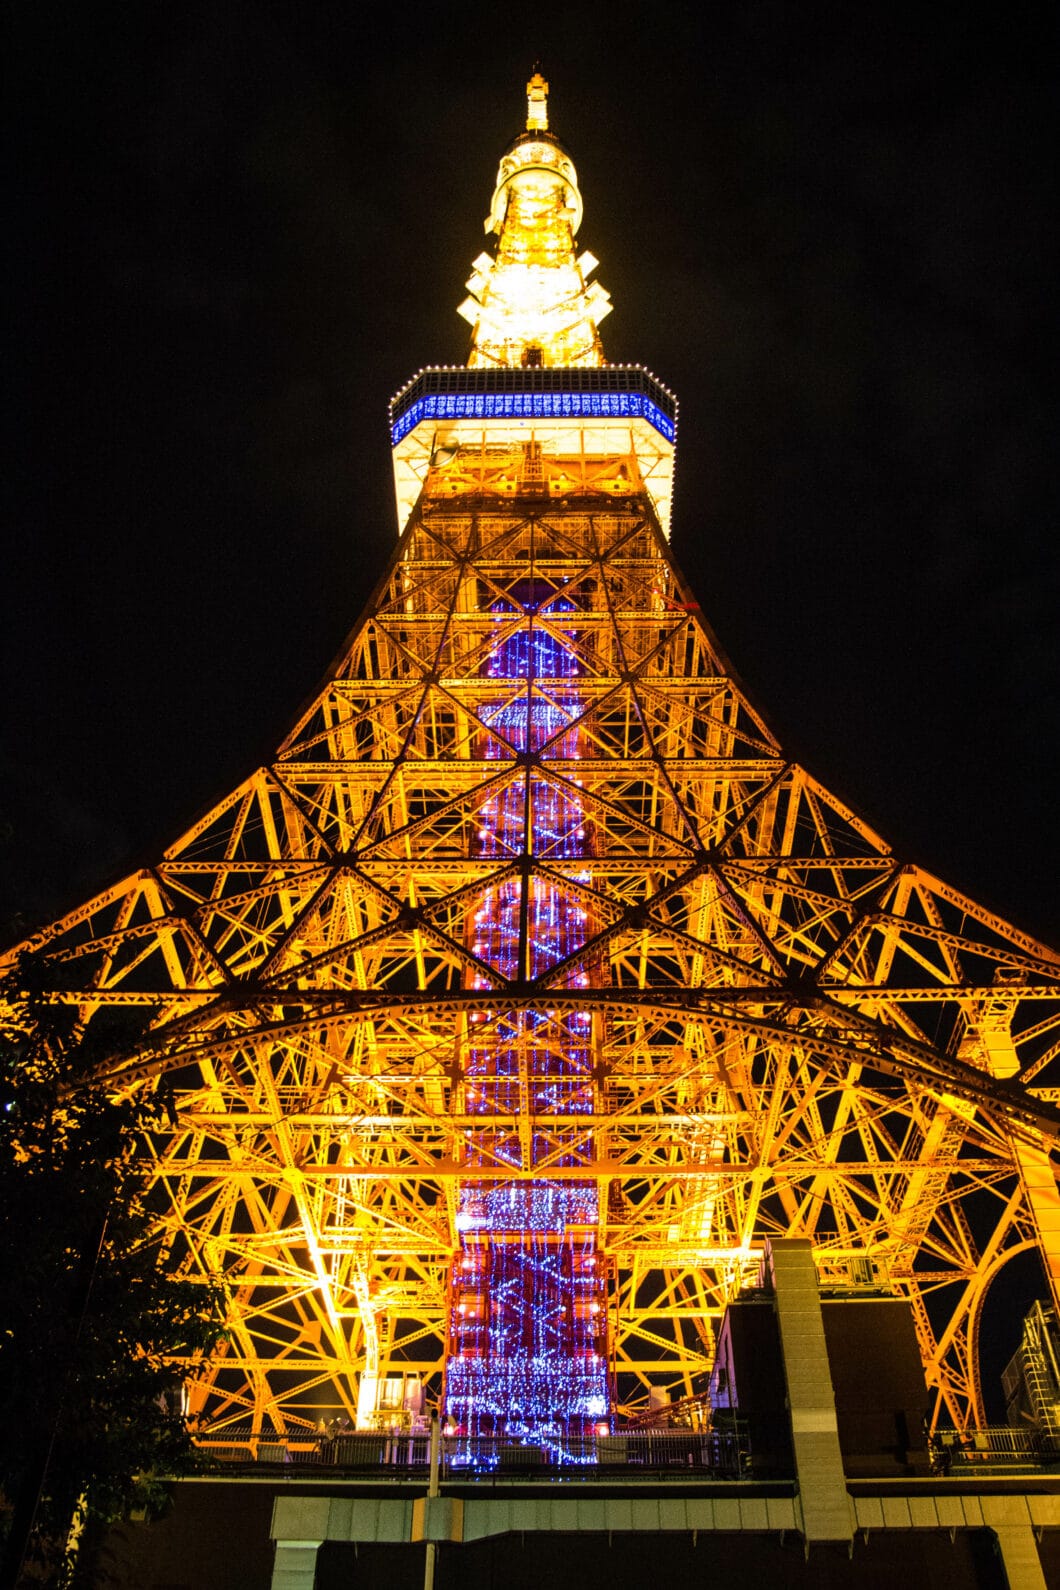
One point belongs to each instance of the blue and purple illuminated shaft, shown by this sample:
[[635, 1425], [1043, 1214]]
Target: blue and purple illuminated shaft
[[527, 1332]]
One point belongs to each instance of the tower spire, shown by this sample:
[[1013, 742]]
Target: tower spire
[[537, 103], [531, 304]]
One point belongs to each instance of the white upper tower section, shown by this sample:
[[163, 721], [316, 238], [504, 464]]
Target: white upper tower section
[[536, 409]]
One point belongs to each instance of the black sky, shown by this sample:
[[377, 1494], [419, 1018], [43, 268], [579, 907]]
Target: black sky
[[238, 228]]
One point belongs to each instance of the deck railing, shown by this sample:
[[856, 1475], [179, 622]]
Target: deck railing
[[653, 1453], [995, 1446], [717, 1454]]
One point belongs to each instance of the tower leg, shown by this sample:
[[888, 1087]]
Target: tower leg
[[1036, 1171], [1043, 1198]]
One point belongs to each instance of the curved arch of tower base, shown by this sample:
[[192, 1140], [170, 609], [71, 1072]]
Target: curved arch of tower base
[[532, 977]]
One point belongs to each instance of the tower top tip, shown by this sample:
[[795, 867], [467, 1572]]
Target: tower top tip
[[530, 305], [537, 102]]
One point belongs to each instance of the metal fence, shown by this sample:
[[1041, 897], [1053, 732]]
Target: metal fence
[[721, 1454], [995, 1446], [717, 1454]]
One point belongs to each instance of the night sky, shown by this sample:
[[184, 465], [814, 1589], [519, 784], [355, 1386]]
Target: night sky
[[236, 229]]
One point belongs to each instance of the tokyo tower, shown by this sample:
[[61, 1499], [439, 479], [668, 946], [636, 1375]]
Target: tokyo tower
[[530, 989]]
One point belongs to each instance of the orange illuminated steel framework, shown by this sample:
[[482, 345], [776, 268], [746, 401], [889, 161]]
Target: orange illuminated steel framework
[[530, 988]]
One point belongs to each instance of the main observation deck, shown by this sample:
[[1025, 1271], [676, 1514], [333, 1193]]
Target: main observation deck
[[571, 412]]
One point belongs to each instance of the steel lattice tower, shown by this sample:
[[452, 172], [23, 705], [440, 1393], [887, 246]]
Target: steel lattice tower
[[530, 988]]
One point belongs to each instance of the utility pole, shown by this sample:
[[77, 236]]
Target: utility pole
[[432, 1491]]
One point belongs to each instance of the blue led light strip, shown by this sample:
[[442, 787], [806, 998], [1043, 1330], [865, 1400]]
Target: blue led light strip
[[532, 405]]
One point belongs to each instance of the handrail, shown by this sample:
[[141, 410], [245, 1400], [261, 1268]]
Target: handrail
[[720, 1454]]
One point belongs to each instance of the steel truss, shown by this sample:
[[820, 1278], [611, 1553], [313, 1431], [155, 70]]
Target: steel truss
[[794, 1032]]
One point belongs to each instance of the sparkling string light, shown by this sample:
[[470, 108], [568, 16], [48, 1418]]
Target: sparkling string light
[[527, 1331]]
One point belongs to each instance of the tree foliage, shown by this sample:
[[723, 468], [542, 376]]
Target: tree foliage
[[89, 1315]]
